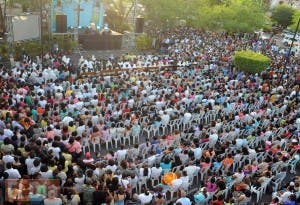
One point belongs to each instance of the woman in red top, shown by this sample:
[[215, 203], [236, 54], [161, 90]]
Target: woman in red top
[[126, 109], [218, 201], [65, 131]]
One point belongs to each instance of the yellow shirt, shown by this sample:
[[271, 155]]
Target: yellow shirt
[[68, 93], [273, 98], [72, 129], [44, 123]]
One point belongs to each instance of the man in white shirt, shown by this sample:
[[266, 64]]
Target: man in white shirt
[[176, 183], [7, 131], [36, 167], [238, 176], [213, 138], [284, 197], [29, 161], [67, 119], [165, 118], [187, 117], [12, 173], [8, 159], [145, 198], [121, 153], [191, 170], [156, 171], [197, 152]]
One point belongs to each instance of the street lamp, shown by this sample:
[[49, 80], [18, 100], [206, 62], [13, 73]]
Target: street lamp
[[291, 46], [41, 33], [4, 17]]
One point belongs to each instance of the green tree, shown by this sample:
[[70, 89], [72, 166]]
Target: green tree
[[1, 22], [165, 13], [283, 15], [236, 16], [143, 42], [117, 13], [215, 15], [295, 20], [28, 5]]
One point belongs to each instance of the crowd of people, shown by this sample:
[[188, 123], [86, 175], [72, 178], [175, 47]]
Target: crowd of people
[[146, 137]]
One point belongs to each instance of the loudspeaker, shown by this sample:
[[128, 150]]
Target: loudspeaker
[[61, 23], [139, 25]]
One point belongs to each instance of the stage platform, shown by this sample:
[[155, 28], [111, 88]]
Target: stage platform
[[100, 41]]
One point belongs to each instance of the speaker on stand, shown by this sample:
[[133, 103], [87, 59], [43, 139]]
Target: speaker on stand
[[61, 23], [139, 25]]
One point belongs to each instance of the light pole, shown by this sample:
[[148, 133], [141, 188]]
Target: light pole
[[41, 33], [4, 17], [291, 46], [134, 15]]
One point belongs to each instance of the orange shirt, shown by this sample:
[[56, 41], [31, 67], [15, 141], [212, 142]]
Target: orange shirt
[[264, 87], [227, 162], [40, 110]]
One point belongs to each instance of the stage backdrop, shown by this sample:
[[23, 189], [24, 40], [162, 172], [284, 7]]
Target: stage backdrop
[[91, 11]]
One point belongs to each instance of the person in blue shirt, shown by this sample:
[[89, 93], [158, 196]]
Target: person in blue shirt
[[217, 164], [228, 178], [291, 201], [166, 164], [201, 196]]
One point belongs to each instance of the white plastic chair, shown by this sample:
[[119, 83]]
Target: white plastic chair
[[127, 138], [163, 128], [108, 140], [293, 164], [116, 140], [136, 134], [203, 172], [85, 145], [258, 192], [141, 182], [148, 130], [96, 143], [277, 183]]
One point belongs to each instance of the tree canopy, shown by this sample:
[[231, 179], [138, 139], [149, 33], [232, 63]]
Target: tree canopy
[[296, 17], [283, 15], [229, 15], [215, 15], [117, 13]]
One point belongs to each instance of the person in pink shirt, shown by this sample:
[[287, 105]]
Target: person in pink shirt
[[254, 167], [205, 164], [169, 139], [74, 147], [49, 133], [105, 133], [211, 185]]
